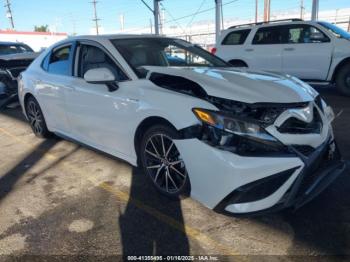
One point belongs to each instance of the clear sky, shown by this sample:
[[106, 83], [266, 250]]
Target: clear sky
[[75, 15]]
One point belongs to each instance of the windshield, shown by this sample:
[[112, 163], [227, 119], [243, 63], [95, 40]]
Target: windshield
[[9, 49], [164, 52], [335, 30]]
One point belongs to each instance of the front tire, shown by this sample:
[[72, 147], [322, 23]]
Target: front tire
[[343, 80], [36, 118], [162, 163]]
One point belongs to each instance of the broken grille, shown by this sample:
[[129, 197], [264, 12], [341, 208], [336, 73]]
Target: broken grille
[[296, 126]]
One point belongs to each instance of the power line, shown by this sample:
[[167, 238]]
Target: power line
[[9, 13], [171, 16], [95, 19], [203, 11], [199, 9]]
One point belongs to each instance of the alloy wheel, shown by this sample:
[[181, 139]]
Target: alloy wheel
[[35, 117], [164, 164]]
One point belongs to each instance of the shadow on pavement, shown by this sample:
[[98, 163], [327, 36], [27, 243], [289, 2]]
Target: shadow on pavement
[[141, 232], [8, 180]]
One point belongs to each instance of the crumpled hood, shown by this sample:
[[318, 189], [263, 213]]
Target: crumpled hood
[[243, 84]]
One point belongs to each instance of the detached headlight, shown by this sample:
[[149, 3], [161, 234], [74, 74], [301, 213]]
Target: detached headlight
[[236, 135], [233, 125]]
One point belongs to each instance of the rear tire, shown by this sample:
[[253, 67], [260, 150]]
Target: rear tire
[[36, 118], [162, 163], [343, 80]]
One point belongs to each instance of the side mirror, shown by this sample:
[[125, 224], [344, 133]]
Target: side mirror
[[101, 76], [318, 37]]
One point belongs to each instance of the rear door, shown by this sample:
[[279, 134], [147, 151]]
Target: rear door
[[231, 46], [56, 77], [265, 51], [304, 57]]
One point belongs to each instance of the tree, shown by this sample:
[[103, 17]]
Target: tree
[[42, 28]]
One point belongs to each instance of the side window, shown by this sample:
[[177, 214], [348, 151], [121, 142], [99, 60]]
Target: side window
[[59, 61], [92, 57], [45, 63], [304, 34], [236, 37], [268, 36]]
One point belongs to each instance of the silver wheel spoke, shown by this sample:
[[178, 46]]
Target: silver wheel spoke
[[171, 179], [154, 167], [161, 136], [177, 171], [167, 153], [166, 180], [152, 154], [155, 149], [158, 172], [176, 162]]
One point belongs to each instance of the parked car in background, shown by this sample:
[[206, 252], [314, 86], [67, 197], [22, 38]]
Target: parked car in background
[[310, 50], [237, 141], [14, 59]]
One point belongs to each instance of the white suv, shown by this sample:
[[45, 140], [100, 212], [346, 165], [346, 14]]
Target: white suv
[[310, 50]]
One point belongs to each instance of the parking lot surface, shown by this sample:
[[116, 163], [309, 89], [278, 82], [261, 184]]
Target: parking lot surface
[[59, 199]]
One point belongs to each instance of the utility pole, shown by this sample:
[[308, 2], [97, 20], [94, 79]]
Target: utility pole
[[156, 15], [95, 19], [218, 18], [267, 9], [314, 14], [256, 10], [122, 22], [302, 9], [155, 12], [9, 13]]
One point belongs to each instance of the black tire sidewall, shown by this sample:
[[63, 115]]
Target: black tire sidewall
[[343, 73], [45, 132], [172, 133]]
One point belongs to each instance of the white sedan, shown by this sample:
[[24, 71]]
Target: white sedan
[[235, 140]]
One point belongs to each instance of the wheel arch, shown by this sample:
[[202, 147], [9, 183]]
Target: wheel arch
[[339, 66], [25, 100], [238, 62], [144, 125]]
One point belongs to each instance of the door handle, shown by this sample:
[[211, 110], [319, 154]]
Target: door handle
[[249, 50], [289, 49]]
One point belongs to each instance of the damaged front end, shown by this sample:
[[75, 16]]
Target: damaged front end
[[298, 133], [11, 66]]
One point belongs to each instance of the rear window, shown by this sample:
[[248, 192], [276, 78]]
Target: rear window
[[14, 49], [268, 36], [236, 37]]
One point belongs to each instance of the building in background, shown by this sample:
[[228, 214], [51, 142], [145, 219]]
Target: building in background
[[36, 40]]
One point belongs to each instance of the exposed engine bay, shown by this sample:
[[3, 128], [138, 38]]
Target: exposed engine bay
[[265, 113], [11, 66]]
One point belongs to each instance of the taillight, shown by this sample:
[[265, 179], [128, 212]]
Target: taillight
[[213, 50]]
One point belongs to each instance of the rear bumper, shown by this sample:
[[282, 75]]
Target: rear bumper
[[249, 185]]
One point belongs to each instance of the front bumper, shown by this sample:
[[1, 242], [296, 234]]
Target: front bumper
[[226, 182]]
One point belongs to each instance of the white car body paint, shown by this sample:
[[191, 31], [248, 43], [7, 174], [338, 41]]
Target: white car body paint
[[108, 121], [310, 61]]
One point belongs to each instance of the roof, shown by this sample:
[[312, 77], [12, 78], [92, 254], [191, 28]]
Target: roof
[[271, 23], [10, 43], [117, 36]]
